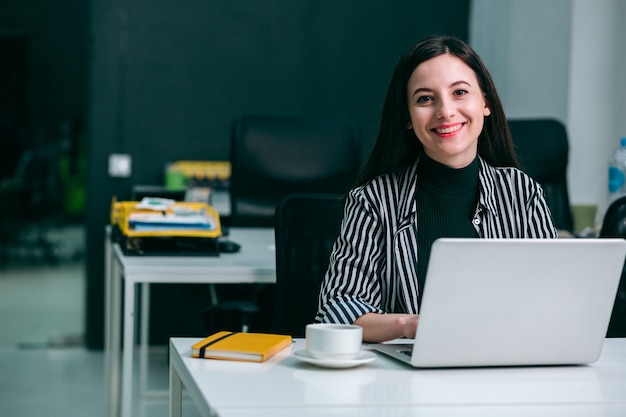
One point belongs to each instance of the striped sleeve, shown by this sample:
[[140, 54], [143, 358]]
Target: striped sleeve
[[352, 285]]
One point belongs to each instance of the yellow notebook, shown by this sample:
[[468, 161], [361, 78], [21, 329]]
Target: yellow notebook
[[254, 347]]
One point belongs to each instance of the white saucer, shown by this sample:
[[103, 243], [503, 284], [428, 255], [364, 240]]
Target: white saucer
[[361, 358]]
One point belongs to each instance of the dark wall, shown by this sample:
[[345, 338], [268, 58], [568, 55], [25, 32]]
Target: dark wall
[[167, 79], [13, 100], [43, 80]]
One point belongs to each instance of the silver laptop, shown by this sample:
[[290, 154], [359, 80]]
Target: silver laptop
[[509, 302]]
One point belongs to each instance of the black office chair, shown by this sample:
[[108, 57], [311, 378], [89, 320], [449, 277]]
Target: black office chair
[[274, 156], [271, 158], [307, 226], [31, 200], [543, 149], [614, 225]]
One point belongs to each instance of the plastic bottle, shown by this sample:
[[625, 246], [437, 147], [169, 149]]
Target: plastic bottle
[[617, 172]]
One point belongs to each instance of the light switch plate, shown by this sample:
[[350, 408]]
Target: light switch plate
[[120, 165]]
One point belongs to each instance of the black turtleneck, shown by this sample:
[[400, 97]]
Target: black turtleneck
[[446, 201]]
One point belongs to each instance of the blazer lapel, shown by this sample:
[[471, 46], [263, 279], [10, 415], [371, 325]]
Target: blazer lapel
[[405, 245]]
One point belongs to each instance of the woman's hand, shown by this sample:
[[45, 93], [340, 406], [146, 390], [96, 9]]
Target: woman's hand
[[408, 323], [383, 327]]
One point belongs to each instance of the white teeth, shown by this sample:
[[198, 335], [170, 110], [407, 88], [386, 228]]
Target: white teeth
[[448, 129]]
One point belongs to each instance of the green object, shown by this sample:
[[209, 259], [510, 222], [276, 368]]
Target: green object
[[584, 216], [175, 180], [74, 192]]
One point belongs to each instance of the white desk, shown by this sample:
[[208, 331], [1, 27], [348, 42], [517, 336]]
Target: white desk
[[283, 386], [254, 263]]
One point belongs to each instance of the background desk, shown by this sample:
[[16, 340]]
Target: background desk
[[283, 386], [255, 263]]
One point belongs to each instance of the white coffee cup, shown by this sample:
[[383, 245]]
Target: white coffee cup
[[333, 341]]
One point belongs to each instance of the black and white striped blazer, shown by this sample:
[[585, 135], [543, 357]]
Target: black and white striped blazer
[[373, 262]]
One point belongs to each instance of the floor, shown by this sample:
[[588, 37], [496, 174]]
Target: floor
[[44, 368]]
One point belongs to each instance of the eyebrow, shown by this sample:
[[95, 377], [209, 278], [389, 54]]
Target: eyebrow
[[428, 90]]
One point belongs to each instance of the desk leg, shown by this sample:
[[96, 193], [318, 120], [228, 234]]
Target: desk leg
[[176, 392], [144, 334], [129, 344], [112, 345], [109, 399]]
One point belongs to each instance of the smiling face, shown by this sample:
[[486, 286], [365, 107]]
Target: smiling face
[[447, 109]]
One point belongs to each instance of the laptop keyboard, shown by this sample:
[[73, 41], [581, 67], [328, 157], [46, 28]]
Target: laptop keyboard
[[408, 353]]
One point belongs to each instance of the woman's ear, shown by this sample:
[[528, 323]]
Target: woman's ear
[[409, 126], [486, 109]]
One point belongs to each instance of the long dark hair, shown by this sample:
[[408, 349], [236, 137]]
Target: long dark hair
[[398, 146]]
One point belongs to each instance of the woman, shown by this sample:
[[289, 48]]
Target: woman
[[443, 165]]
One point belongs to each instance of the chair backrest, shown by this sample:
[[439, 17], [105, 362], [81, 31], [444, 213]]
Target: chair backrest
[[38, 182], [307, 226], [274, 156], [543, 150], [614, 221], [614, 225]]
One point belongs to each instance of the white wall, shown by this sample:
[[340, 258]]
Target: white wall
[[525, 47], [561, 59], [595, 101]]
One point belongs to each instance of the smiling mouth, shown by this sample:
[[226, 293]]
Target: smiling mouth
[[450, 129]]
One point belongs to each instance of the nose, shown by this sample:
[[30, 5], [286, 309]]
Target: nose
[[445, 108]]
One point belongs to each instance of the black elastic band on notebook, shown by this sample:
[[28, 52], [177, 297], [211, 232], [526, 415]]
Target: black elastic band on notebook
[[206, 345]]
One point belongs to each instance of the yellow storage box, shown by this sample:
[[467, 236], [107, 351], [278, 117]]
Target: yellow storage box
[[163, 225]]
